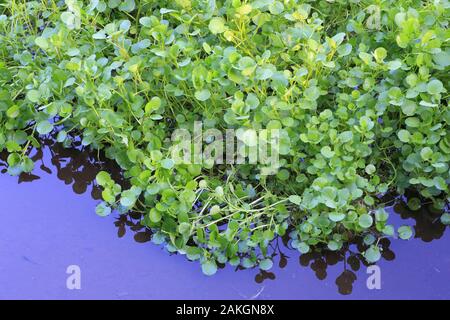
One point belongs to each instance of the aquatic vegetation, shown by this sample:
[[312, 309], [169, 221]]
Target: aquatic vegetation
[[357, 90]]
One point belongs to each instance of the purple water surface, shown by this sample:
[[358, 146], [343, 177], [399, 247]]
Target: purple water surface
[[48, 223]]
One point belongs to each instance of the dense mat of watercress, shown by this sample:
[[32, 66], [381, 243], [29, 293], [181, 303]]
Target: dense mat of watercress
[[359, 90]]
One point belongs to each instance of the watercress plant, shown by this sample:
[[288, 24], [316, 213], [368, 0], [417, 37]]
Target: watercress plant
[[357, 88]]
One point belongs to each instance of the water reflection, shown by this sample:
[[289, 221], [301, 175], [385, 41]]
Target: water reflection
[[78, 167]]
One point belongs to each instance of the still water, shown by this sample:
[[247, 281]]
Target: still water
[[48, 223]]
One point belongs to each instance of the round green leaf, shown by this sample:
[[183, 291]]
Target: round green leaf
[[435, 87], [202, 95], [44, 127], [33, 96], [103, 178], [445, 219], [209, 268], [167, 164], [405, 232], [155, 215], [365, 221], [295, 199], [217, 25], [103, 210], [265, 264], [372, 254], [404, 136]]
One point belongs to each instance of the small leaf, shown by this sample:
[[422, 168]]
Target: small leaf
[[103, 210], [44, 127], [103, 178], [217, 25], [445, 219], [209, 268], [380, 54], [405, 232], [435, 87], [404, 136], [365, 221], [266, 264], [127, 5], [202, 95], [327, 152], [41, 43], [33, 96], [295, 199], [167, 164], [153, 105], [426, 153], [372, 254], [155, 215]]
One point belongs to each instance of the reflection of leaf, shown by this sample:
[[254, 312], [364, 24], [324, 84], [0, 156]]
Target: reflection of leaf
[[354, 262], [427, 225], [345, 282], [283, 261], [28, 177], [142, 237], [320, 267], [264, 275], [121, 231], [45, 169]]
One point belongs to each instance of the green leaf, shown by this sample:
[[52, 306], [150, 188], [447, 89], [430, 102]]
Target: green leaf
[[153, 105], [394, 65], [295, 199], [303, 247], [249, 137], [128, 198], [155, 215], [41, 43], [404, 135], [61, 136], [372, 254], [344, 50], [33, 96], [365, 221], [114, 3], [334, 245], [336, 216], [103, 178], [445, 219], [266, 264], [409, 108], [405, 232], [209, 268], [380, 54], [217, 25], [68, 18], [167, 164], [44, 127], [202, 95], [370, 169], [435, 87], [389, 230], [426, 153], [103, 210], [381, 215], [327, 152], [127, 5], [13, 112]]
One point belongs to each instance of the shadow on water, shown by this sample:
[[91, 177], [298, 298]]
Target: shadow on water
[[78, 167]]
